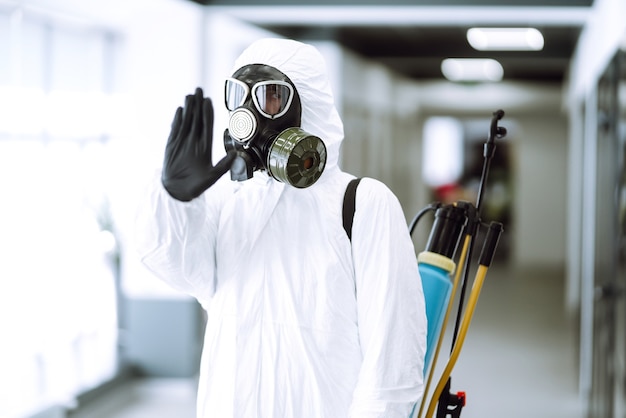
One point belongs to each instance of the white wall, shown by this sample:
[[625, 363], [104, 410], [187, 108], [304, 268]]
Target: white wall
[[540, 212], [603, 35]]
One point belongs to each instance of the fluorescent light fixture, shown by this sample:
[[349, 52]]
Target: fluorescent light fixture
[[472, 69], [505, 39]]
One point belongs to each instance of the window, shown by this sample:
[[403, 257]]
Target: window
[[58, 293]]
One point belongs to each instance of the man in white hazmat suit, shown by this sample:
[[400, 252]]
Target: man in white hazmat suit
[[302, 322]]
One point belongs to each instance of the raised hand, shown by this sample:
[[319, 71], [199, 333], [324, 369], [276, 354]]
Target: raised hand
[[188, 168]]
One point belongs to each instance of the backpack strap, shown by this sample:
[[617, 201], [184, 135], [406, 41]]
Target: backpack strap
[[349, 206]]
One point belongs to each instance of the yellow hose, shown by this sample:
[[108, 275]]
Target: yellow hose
[[465, 323], [455, 284]]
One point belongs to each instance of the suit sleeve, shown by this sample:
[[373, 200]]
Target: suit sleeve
[[176, 240], [391, 310]]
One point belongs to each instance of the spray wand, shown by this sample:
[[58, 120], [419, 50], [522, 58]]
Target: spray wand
[[436, 264]]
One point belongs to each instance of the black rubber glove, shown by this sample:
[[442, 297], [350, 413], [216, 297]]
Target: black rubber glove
[[188, 167]]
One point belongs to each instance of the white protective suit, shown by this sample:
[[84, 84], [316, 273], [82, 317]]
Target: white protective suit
[[301, 322]]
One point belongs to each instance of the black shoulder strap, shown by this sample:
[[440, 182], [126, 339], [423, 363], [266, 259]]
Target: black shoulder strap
[[349, 203]]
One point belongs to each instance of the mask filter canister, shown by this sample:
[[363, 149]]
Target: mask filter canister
[[297, 158]]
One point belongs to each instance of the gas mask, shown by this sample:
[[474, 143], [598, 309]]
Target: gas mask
[[264, 128]]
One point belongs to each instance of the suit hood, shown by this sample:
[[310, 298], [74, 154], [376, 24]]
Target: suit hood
[[306, 68]]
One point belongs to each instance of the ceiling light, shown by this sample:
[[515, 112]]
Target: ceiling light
[[472, 69], [505, 39]]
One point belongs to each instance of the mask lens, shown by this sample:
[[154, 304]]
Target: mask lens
[[273, 98], [235, 93]]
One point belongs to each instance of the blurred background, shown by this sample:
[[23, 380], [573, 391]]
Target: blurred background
[[88, 90]]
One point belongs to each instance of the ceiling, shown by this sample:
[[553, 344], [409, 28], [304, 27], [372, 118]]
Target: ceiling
[[412, 37]]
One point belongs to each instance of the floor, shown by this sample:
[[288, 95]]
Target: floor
[[142, 398], [519, 360]]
